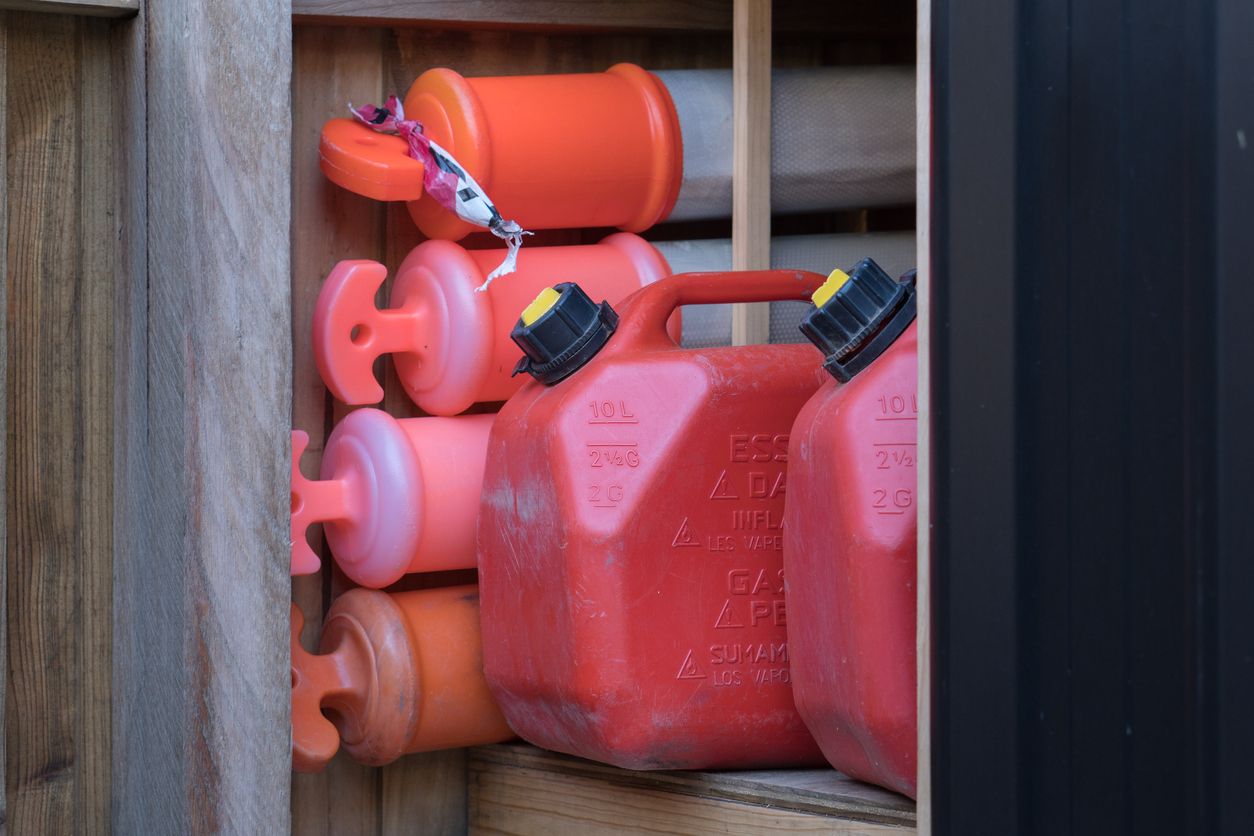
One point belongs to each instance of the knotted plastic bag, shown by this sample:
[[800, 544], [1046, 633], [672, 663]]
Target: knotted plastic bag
[[445, 180]]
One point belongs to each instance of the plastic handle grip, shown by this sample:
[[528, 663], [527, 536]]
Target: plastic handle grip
[[369, 163], [349, 332], [313, 502], [643, 319], [339, 678]]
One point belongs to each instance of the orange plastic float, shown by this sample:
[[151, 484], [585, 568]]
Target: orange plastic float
[[552, 151], [396, 495], [450, 343], [400, 673], [372, 164]]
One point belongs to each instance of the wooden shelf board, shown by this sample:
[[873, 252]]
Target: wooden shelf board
[[863, 17], [641, 15], [92, 8], [814, 792]]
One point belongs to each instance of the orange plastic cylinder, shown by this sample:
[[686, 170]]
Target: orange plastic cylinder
[[399, 674], [552, 151]]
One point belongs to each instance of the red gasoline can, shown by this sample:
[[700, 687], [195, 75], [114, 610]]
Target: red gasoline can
[[630, 543], [850, 530]]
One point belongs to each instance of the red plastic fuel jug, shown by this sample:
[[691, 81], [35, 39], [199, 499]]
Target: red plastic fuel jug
[[630, 542], [399, 673], [850, 530], [551, 151], [396, 495], [450, 342]]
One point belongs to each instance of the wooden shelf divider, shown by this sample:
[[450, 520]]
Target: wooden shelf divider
[[520, 789], [853, 17], [751, 161], [88, 8]]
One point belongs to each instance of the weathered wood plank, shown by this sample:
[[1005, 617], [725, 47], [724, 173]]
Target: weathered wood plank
[[527, 800], [923, 214], [330, 68], [91, 8], [425, 795], [751, 161], [348, 803], [130, 415], [4, 374], [59, 423], [860, 17], [586, 14], [823, 791], [94, 369], [204, 690]]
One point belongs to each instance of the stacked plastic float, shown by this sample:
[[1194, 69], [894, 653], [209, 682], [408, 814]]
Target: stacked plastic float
[[626, 507]]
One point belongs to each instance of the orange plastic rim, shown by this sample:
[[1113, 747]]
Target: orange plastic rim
[[367, 162]]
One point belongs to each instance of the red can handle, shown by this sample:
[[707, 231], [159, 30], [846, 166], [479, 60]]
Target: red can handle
[[642, 321]]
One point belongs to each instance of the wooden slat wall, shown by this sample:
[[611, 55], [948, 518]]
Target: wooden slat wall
[[58, 480], [202, 689], [145, 279], [332, 65]]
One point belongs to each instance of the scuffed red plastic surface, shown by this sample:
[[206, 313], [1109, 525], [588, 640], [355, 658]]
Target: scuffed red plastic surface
[[850, 553], [630, 545]]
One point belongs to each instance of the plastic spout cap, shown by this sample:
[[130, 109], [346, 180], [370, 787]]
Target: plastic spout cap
[[857, 316], [561, 331]]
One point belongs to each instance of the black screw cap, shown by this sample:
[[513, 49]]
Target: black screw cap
[[861, 319], [565, 337]]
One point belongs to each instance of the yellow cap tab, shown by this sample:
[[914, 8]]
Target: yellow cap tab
[[834, 282], [547, 299]]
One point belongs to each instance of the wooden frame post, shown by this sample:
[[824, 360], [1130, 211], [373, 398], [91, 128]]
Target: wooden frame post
[[58, 435], [201, 704], [751, 160], [923, 645]]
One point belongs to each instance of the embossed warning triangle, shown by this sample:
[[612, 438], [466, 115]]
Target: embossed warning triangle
[[728, 617], [723, 488], [685, 537], [690, 669]]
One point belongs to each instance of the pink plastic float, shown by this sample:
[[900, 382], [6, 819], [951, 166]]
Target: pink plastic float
[[396, 495], [450, 343]]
